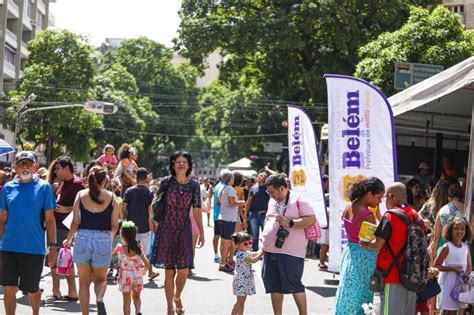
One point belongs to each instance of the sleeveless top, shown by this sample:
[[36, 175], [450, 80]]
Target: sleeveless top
[[457, 256], [352, 230], [96, 220]]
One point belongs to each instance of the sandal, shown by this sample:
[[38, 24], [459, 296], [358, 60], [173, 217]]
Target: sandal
[[179, 309], [153, 275], [323, 267], [51, 298]]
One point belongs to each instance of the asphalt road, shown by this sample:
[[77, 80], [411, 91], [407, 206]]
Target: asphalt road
[[207, 292]]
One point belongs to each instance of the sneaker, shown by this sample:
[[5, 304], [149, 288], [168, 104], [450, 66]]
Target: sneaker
[[217, 259], [101, 308]]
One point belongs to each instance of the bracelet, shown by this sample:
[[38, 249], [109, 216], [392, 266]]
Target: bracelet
[[52, 244]]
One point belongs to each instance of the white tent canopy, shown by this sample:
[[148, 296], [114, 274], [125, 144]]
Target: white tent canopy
[[243, 163]]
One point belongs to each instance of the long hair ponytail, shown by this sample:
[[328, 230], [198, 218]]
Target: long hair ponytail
[[96, 176], [129, 233]]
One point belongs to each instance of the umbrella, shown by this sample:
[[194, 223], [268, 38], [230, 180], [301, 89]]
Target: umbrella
[[5, 148]]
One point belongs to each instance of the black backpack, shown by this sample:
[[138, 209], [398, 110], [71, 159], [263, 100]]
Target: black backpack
[[414, 269]]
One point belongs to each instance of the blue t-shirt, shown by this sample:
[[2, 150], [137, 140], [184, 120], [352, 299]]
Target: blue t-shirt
[[25, 204], [217, 208], [260, 198]]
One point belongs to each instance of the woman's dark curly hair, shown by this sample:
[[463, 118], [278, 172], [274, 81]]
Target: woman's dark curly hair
[[176, 155], [448, 230], [364, 186]]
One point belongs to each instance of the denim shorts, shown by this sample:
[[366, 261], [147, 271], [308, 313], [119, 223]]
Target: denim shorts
[[92, 247]]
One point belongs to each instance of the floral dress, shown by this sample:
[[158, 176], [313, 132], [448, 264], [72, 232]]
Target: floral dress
[[244, 282], [130, 276], [173, 245]]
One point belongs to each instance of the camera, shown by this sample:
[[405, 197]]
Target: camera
[[282, 234]]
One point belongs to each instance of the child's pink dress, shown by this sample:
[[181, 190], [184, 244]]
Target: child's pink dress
[[130, 276]]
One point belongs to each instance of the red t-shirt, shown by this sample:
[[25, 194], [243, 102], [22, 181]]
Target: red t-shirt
[[394, 231], [66, 194]]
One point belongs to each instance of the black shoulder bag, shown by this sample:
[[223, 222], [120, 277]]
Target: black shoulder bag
[[158, 204]]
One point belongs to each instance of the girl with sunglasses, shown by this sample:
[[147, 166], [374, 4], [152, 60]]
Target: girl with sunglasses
[[244, 282]]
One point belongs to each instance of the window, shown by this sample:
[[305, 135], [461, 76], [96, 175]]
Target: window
[[456, 8], [9, 55]]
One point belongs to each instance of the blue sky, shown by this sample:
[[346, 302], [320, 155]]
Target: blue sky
[[99, 19]]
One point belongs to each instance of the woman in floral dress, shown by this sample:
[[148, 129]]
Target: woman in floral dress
[[172, 248]]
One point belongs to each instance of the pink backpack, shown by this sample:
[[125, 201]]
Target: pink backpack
[[64, 262]]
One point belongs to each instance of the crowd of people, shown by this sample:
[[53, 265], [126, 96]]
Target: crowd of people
[[108, 217], [440, 255]]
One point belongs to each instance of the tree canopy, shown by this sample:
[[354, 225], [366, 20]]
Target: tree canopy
[[59, 70], [285, 47], [436, 38]]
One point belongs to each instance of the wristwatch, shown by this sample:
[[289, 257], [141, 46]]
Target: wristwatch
[[291, 223]]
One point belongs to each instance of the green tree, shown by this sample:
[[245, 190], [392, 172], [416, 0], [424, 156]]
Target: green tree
[[435, 37], [120, 87], [59, 70], [171, 89], [235, 123], [285, 47]]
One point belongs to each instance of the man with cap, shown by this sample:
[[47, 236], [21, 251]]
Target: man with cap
[[424, 176], [27, 205]]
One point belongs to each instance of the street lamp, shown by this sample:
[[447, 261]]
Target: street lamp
[[97, 107], [22, 105]]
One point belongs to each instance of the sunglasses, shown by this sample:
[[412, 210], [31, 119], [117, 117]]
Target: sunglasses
[[247, 243]]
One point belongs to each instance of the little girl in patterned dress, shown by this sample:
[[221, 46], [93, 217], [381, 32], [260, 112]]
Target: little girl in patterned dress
[[244, 282], [131, 261]]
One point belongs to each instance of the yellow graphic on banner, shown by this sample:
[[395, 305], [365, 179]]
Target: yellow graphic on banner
[[347, 182], [299, 178]]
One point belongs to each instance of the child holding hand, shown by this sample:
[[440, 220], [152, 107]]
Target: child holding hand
[[243, 282], [131, 261]]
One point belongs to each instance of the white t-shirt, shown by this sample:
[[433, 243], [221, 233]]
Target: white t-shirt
[[228, 212]]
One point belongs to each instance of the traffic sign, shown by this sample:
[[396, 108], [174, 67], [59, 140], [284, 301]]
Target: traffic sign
[[276, 147], [408, 74], [100, 107]]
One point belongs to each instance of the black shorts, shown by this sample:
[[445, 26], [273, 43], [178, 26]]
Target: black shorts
[[282, 273], [227, 229], [22, 270], [217, 228]]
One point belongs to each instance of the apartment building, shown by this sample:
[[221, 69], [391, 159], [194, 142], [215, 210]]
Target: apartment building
[[20, 20], [465, 10]]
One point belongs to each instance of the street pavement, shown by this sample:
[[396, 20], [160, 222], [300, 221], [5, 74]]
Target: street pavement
[[207, 292]]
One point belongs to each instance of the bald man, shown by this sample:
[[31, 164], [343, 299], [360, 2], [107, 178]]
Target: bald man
[[391, 235]]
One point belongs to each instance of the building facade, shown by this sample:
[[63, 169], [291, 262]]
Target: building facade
[[20, 20], [465, 10]]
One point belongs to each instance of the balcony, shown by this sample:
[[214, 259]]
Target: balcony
[[11, 38], [13, 10], [51, 20], [24, 52], [27, 23], [41, 7], [8, 70]]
